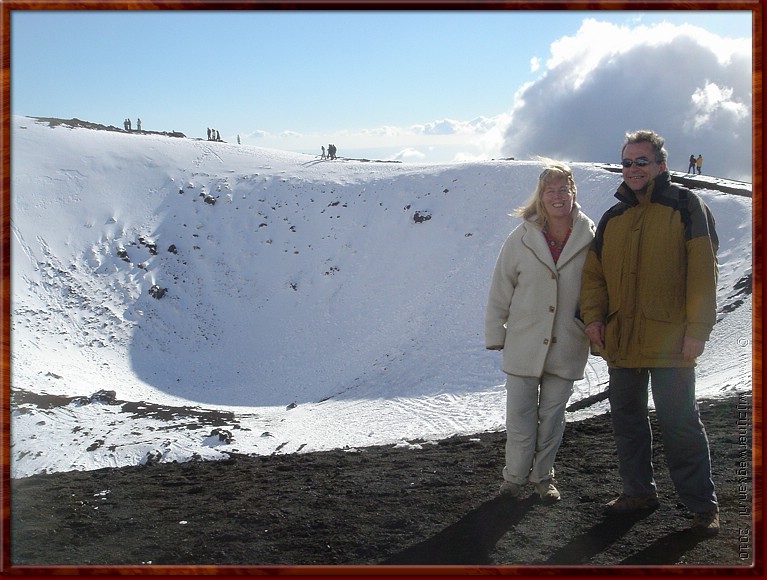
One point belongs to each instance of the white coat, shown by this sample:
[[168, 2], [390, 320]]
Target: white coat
[[533, 306]]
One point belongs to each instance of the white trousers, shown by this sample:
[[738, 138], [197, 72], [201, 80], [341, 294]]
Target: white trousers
[[535, 423]]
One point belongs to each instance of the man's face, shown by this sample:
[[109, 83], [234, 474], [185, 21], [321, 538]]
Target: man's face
[[637, 177]]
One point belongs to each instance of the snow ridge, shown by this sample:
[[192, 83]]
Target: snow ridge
[[305, 304]]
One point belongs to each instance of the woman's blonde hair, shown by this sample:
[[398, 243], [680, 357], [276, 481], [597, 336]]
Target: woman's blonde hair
[[534, 209]]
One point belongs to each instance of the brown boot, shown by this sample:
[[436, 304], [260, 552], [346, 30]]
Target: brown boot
[[706, 523], [626, 504]]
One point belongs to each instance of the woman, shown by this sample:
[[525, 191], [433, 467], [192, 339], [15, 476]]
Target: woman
[[532, 315]]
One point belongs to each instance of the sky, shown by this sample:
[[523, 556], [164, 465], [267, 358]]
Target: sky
[[306, 309], [417, 86]]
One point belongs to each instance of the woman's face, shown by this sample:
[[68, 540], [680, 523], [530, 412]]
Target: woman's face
[[557, 198]]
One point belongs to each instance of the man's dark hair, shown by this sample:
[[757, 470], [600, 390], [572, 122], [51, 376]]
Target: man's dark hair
[[651, 137]]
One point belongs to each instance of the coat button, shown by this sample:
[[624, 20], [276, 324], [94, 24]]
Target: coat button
[[551, 309], [545, 341]]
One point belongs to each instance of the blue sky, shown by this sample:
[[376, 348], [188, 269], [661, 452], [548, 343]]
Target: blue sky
[[297, 79]]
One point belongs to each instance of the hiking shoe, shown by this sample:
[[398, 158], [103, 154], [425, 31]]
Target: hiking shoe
[[547, 492], [509, 489], [626, 504], [706, 523]]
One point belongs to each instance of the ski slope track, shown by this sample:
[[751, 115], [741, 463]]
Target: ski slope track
[[176, 299]]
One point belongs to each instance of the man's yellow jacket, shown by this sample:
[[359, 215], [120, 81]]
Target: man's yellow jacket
[[651, 274]]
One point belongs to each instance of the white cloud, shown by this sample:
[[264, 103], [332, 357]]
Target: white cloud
[[256, 135], [712, 100], [443, 127], [385, 131], [442, 140], [409, 154], [688, 84]]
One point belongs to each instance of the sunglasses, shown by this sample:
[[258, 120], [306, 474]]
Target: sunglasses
[[641, 162]]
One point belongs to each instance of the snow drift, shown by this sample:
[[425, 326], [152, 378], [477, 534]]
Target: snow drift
[[175, 299]]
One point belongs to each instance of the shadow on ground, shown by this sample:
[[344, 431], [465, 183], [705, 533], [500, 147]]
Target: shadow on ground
[[471, 540]]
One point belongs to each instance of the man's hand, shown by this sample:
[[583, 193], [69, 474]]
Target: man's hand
[[596, 333], [692, 348], [495, 347]]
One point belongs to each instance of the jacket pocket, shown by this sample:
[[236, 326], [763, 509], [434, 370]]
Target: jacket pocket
[[521, 321], [663, 333]]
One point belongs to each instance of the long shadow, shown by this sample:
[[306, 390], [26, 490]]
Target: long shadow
[[582, 548], [471, 540], [666, 550]]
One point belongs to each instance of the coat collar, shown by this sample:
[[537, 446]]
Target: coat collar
[[655, 188]]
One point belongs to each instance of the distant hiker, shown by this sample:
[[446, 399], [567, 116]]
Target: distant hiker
[[125, 124], [651, 325], [691, 168], [129, 125], [331, 151], [323, 152], [699, 163], [218, 136], [238, 139], [208, 133], [138, 124], [535, 290]]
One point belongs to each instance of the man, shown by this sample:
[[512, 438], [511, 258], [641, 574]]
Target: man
[[648, 299]]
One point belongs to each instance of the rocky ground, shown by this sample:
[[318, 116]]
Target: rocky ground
[[383, 506]]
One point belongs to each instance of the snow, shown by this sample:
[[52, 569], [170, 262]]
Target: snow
[[304, 310]]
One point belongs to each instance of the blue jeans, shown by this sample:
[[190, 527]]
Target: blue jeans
[[684, 437]]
